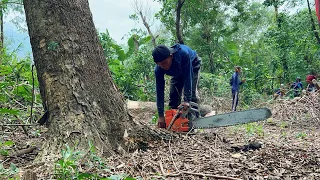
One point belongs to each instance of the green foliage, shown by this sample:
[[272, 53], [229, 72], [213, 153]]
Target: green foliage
[[132, 70], [254, 128], [16, 87], [9, 173], [66, 168], [72, 163], [301, 135], [284, 124], [4, 147], [215, 84], [227, 33], [154, 119]]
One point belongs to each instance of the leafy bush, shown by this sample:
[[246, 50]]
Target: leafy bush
[[73, 163]]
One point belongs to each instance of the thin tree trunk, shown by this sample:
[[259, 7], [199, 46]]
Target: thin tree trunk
[[210, 53], [146, 24], [316, 34], [178, 19], [276, 12], [1, 31], [256, 73], [75, 83], [136, 44]]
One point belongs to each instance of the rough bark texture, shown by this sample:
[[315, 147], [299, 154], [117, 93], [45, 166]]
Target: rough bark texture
[[75, 83]]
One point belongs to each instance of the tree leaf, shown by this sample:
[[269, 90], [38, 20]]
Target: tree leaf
[[9, 111], [8, 143]]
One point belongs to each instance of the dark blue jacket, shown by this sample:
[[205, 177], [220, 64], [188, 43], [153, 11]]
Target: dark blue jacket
[[181, 66], [297, 85], [236, 82]]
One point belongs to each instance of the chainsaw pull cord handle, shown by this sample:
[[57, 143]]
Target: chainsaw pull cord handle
[[175, 117]]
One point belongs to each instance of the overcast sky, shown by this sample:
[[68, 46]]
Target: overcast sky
[[107, 14], [114, 15]]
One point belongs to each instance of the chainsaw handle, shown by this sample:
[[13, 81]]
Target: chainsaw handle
[[175, 117], [180, 108]]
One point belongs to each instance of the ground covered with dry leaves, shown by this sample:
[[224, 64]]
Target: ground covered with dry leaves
[[285, 146]]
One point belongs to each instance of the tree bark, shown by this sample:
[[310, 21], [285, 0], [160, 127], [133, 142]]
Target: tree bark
[[75, 83], [178, 18], [139, 7], [146, 24], [276, 12], [316, 34], [1, 30]]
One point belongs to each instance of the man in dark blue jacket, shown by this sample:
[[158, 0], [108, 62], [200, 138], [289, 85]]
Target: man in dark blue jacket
[[183, 64], [297, 87], [235, 86]]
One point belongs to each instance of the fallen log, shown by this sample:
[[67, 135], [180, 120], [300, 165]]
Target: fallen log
[[137, 107]]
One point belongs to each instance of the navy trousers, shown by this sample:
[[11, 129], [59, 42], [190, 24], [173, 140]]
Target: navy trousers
[[235, 100]]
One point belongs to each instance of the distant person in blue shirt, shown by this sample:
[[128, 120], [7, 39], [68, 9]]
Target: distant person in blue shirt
[[280, 92], [235, 86], [183, 64], [297, 87]]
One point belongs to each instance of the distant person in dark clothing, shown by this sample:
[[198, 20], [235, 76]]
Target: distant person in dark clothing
[[235, 83], [280, 92], [297, 87], [183, 64], [311, 86]]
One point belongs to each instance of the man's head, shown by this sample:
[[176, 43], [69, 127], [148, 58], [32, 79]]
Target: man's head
[[162, 56], [298, 79], [237, 69], [310, 78]]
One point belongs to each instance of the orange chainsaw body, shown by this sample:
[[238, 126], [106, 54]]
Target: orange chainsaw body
[[180, 124]]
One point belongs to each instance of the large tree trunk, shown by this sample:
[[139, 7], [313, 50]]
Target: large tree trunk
[[75, 83]]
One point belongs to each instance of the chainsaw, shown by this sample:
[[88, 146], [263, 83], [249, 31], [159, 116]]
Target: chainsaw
[[179, 121]]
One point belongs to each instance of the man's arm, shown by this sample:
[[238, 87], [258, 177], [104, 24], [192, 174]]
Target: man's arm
[[187, 76], [160, 91]]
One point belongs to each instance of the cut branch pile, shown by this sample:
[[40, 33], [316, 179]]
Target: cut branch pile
[[206, 157], [306, 108]]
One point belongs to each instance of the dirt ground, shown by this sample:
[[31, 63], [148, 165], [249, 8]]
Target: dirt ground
[[277, 148]]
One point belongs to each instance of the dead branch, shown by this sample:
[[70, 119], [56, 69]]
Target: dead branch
[[19, 124], [209, 175], [23, 127], [24, 151]]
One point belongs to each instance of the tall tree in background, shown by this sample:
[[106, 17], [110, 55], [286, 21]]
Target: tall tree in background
[[281, 40], [4, 6], [316, 33], [144, 12], [77, 90], [179, 30], [171, 16], [317, 6]]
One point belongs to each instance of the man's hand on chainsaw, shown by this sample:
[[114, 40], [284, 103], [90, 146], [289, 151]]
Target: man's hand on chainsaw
[[184, 107]]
